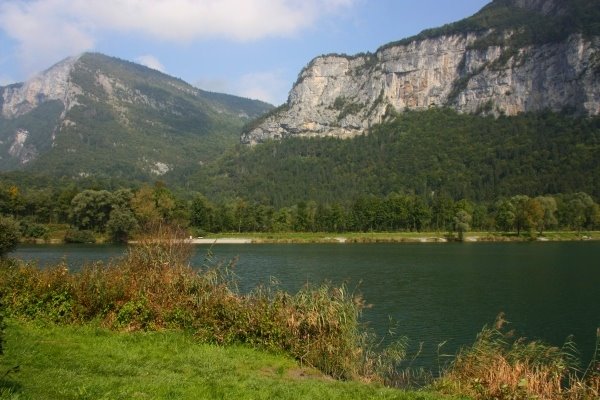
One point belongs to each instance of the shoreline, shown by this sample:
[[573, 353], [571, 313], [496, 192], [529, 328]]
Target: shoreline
[[377, 237], [427, 237]]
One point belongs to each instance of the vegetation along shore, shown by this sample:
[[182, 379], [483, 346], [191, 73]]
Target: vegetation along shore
[[153, 304]]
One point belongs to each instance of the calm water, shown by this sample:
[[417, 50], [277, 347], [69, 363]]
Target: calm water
[[435, 292]]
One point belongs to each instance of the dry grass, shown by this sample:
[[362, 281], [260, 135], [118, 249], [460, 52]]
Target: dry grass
[[499, 366]]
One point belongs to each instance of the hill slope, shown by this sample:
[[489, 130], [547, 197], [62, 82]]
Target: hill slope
[[437, 151], [95, 115]]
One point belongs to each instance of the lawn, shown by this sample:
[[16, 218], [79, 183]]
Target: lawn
[[89, 362]]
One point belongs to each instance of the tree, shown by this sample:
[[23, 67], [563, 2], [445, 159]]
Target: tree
[[91, 209], [441, 212], [549, 208], [144, 206], [9, 235], [505, 215], [202, 214], [462, 221], [420, 213], [581, 211], [120, 224]]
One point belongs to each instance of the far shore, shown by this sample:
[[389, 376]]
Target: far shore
[[385, 237], [368, 237]]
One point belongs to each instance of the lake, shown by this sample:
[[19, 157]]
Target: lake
[[433, 292]]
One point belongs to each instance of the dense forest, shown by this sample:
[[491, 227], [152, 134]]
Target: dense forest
[[429, 153]]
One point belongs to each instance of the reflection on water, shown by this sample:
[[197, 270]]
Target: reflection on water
[[434, 292]]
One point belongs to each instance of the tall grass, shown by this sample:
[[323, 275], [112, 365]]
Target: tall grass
[[154, 287], [503, 367]]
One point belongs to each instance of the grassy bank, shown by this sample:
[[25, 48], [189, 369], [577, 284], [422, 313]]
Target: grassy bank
[[403, 237], [89, 362]]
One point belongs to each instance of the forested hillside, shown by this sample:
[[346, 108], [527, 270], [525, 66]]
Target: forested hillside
[[434, 152]]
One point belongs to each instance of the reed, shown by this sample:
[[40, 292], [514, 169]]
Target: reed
[[501, 366]]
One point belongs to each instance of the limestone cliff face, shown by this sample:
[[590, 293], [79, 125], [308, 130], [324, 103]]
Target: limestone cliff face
[[343, 96], [53, 84]]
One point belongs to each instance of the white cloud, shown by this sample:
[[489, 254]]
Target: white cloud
[[151, 62], [44, 33], [48, 29]]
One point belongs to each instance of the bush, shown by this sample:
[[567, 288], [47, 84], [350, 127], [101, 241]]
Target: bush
[[502, 366], [33, 230], [79, 236], [1, 329], [9, 235]]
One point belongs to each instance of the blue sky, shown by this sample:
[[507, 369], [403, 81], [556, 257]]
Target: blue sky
[[252, 48]]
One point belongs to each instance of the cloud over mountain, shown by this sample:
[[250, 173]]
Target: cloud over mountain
[[49, 29]]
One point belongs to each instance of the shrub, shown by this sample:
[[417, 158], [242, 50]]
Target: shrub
[[79, 236], [501, 366], [9, 235], [32, 229], [1, 328]]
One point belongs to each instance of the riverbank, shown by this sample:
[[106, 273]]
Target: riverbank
[[363, 237], [390, 237], [89, 362]]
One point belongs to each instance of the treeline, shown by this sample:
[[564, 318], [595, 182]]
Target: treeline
[[120, 213]]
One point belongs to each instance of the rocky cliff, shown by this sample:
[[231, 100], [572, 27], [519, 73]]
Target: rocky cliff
[[513, 56]]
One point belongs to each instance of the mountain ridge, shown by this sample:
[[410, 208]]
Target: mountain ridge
[[88, 113], [513, 56]]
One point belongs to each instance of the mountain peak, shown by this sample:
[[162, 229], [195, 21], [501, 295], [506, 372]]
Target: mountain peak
[[51, 84], [95, 114]]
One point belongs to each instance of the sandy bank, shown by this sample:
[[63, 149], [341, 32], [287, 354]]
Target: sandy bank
[[221, 241]]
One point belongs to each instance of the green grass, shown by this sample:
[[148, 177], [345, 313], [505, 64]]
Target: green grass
[[89, 362]]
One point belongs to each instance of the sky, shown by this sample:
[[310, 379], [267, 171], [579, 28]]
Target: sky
[[250, 48]]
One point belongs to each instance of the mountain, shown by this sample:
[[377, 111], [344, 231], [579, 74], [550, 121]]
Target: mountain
[[99, 116], [513, 56]]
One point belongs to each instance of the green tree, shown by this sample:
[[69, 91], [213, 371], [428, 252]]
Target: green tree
[[420, 214], [441, 212], [581, 211], [505, 215], [144, 206], [462, 221], [283, 220], [202, 214], [549, 208], [9, 235], [91, 209], [121, 224]]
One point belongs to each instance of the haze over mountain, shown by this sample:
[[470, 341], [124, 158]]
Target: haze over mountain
[[94, 115], [513, 56]]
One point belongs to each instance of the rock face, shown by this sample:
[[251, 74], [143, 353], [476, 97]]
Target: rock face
[[52, 84], [343, 96]]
